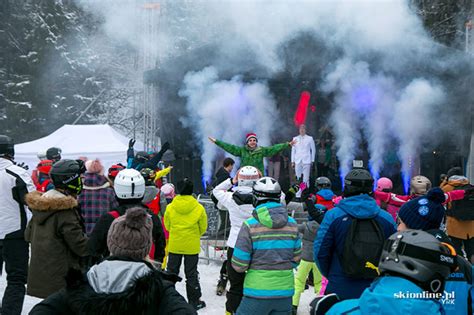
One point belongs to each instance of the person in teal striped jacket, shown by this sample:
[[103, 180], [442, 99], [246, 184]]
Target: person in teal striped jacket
[[268, 248]]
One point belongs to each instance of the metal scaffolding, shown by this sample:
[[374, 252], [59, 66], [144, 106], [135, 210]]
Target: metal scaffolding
[[151, 14]]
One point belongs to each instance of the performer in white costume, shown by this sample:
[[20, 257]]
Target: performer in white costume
[[302, 155]]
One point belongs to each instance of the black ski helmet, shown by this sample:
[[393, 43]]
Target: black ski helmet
[[420, 257], [7, 148], [142, 157], [323, 183], [53, 154], [358, 181], [66, 174]]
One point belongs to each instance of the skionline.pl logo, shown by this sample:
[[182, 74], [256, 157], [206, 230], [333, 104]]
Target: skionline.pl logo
[[446, 296]]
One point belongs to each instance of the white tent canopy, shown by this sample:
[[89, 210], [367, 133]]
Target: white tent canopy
[[91, 141]]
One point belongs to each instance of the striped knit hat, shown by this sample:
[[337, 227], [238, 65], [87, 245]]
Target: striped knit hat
[[250, 135]]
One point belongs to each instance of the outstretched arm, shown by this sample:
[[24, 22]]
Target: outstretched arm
[[232, 149], [130, 153], [153, 163], [277, 148]]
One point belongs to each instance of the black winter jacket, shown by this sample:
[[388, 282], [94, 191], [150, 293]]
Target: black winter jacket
[[152, 293], [97, 244]]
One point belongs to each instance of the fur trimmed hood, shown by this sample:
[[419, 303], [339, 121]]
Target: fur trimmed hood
[[52, 200]]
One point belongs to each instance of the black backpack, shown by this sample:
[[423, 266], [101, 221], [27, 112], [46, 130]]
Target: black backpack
[[362, 249], [462, 209]]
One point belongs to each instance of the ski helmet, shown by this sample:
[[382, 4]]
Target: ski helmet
[[168, 190], [419, 185], [53, 154], [7, 147], [45, 166], [66, 174], [266, 189], [247, 176], [129, 184], [142, 157], [41, 155], [323, 183], [420, 257], [358, 181], [149, 176], [384, 184]]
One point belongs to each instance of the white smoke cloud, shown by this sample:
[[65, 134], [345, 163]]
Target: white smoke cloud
[[226, 110], [377, 92], [413, 118]]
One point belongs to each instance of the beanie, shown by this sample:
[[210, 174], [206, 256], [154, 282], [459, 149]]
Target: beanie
[[185, 187], [425, 212], [250, 135], [94, 166], [130, 234]]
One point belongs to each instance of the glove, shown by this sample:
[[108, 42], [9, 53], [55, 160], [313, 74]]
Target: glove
[[305, 194], [294, 188], [131, 143], [22, 165], [469, 191]]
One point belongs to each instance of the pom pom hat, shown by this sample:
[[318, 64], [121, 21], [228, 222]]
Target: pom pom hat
[[130, 235], [425, 212], [249, 136]]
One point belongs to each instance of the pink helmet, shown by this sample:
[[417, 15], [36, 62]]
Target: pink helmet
[[168, 190], [384, 184]]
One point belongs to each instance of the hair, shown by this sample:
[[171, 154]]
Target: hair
[[228, 161]]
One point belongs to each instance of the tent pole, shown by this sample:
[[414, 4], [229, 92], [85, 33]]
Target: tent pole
[[88, 107]]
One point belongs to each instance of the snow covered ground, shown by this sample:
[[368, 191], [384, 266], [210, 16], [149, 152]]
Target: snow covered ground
[[208, 277]]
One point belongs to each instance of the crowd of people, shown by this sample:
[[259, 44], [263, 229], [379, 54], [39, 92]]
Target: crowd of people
[[88, 241]]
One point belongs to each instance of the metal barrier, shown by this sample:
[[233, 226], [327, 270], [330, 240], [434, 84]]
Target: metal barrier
[[214, 242]]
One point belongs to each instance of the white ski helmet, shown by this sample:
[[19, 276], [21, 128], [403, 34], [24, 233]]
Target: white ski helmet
[[41, 155], [266, 189], [419, 185], [247, 176], [129, 184]]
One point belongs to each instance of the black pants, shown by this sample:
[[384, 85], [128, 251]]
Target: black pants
[[468, 247], [236, 279], [223, 272], [193, 288], [15, 254]]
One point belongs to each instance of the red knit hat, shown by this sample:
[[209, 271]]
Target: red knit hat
[[250, 135]]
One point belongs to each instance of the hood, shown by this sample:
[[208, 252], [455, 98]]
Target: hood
[[184, 204], [382, 292], [150, 194], [4, 163], [327, 194], [45, 205], [271, 214], [93, 180], [360, 206], [115, 276], [242, 197], [458, 180]]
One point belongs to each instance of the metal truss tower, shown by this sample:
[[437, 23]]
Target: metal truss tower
[[151, 14]]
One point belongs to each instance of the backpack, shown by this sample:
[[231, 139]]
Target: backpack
[[362, 249], [462, 209]]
